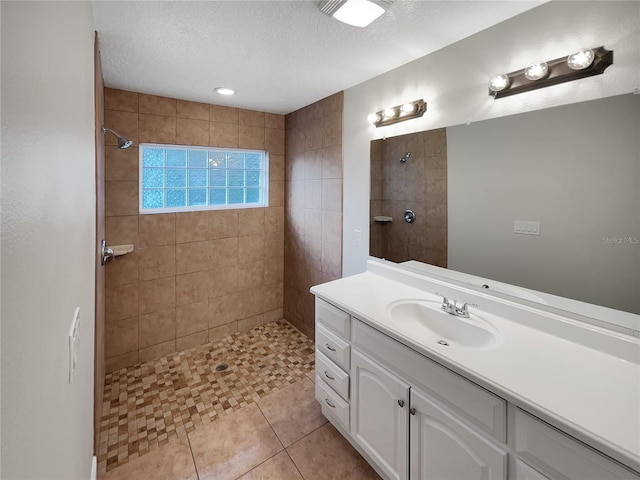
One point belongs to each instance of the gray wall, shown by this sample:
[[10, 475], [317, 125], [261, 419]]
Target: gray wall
[[576, 169]]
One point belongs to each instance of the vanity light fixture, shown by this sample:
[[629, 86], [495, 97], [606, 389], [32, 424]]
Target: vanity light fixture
[[358, 13], [583, 63], [399, 113]]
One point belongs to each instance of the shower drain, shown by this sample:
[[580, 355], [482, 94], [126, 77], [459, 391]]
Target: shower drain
[[221, 367]]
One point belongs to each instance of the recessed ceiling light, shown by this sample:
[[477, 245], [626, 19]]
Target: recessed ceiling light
[[225, 91]]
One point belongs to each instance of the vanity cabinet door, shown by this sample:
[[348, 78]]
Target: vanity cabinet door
[[379, 415], [443, 448]]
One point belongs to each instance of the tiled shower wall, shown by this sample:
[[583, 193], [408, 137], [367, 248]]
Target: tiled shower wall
[[313, 217], [420, 185], [193, 277]]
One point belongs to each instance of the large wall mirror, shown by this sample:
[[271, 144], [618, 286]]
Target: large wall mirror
[[573, 171]]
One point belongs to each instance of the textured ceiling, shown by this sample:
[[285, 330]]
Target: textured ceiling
[[278, 55]]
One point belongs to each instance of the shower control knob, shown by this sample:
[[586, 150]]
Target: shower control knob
[[409, 216]]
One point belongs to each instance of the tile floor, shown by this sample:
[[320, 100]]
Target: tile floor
[[177, 418]]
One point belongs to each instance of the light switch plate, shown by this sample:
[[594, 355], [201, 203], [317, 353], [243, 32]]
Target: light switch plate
[[74, 343], [526, 228]]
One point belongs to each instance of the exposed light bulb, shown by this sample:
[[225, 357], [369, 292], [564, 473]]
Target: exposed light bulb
[[499, 83], [408, 108], [373, 117], [581, 59], [390, 112], [536, 71]]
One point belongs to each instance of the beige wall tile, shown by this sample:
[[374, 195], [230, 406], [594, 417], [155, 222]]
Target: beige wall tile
[[274, 219], [251, 117], [122, 230], [276, 193], [192, 257], [273, 270], [251, 137], [219, 113], [157, 327], [249, 323], [222, 331], [121, 164], [313, 223], [313, 194], [157, 229], [313, 164], [295, 194], [192, 288], [225, 309], [223, 281], [252, 304], [314, 134], [332, 195], [156, 351], [156, 262], [272, 120], [274, 141], [250, 248], [155, 105], [332, 260], [273, 296], [276, 167], [250, 275], [121, 198], [195, 110], [121, 361], [274, 245], [122, 100], [121, 336], [295, 165], [190, 341], [121, 301], [122, 271], [332, 130], [192, 318], [124, 123], [192, 226], [273, 315], [250, 221], [223, 223], [157, 295], [157, 129], [223, 134], [223, 251], [192, 132]]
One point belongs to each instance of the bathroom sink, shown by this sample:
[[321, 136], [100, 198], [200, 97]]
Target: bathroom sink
[[426, 322]]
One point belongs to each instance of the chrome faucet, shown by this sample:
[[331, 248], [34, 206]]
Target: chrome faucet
[[453, 309]]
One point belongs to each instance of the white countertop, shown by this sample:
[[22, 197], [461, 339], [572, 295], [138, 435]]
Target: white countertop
[[591, 393]]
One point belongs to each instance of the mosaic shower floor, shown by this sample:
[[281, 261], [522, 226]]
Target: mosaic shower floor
[[147, 405]]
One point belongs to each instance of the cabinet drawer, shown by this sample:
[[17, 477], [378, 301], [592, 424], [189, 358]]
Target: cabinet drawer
[[333, 347], [560, 456], [473, 403], [334, 318], [332, 404], [337, 378]]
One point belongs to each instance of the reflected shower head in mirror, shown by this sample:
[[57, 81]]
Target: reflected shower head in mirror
[[405, 157], [123, 142]]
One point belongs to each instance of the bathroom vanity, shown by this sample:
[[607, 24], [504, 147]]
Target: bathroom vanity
[[509, 392]]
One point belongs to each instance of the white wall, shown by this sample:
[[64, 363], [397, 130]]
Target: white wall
[[453, 81], [48, 238]]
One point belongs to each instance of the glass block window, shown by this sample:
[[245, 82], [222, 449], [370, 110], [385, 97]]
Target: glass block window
[[178, 178]]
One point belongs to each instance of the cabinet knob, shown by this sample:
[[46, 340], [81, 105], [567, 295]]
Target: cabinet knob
[[329, 347], [412, 411], [326, 400], [401, 403], [328, 376]]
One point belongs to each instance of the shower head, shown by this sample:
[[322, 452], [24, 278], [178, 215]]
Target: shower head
[[123, 142], [405, 157]]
